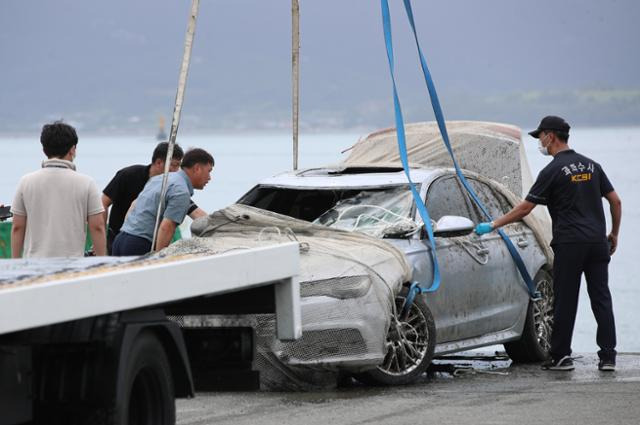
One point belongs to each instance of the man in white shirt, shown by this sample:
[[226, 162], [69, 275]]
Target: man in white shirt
[[53, 206]]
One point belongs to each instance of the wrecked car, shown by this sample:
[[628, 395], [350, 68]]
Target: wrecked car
[[362, 244]]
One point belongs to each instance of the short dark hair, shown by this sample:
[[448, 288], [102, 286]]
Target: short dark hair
[[160, 152], [563, 136], [197, 156], [57, 139]]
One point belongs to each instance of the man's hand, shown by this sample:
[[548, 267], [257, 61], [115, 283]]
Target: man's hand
[[483, 228], [615, 207], [613, 243]]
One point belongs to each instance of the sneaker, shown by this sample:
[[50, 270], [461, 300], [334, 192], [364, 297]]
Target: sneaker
[[607, 365], [565, 363]]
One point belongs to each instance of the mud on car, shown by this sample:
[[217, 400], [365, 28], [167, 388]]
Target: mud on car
[[362, 245]]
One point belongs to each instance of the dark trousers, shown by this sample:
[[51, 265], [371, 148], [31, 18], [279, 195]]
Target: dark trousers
[[125, 244], [571, 260], [111, 236]]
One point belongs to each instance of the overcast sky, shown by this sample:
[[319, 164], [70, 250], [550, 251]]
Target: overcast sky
[[116, 62]]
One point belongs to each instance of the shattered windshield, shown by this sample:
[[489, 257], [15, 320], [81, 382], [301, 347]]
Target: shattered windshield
[[378, 213]]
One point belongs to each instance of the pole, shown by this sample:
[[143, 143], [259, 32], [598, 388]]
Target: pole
[[295, 74], [182, 82]]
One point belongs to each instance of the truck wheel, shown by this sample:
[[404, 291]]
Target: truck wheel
[[410, 342], [148, 385], [534, 344]]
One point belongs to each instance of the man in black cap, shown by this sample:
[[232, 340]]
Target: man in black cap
[[572, 187]]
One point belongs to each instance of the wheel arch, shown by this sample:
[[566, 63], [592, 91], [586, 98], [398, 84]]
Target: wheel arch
[[170, 336]]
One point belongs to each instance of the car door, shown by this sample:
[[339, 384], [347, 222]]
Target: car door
[[509, 296], [462, 304]]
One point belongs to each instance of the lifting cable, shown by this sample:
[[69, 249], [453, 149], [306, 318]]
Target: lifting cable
[[422, 209], [182, 82], [295, 76]]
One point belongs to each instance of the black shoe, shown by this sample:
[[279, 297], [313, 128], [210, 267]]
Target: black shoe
[[607, 365], [565, 363]]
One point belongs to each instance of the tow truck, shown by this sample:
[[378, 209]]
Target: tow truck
[[91, 340]]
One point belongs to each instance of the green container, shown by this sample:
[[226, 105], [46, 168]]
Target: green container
[[5, 239]]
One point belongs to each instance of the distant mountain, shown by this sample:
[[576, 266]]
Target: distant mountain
[[113, 66]]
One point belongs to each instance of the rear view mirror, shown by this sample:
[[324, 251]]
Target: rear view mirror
[[453, 225]]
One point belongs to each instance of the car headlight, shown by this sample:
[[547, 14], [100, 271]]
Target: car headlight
[[337, 287]]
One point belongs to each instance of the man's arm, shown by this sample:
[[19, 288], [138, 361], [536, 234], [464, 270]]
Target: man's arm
[[106, 203], [517, 213], [165, 233], [18, 228], [615, 207], [96, 229], [197, 213]]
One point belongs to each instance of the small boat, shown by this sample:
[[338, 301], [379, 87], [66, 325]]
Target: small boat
[[161, 136]]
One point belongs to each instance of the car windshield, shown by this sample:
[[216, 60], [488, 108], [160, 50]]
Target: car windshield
[[378, 213]]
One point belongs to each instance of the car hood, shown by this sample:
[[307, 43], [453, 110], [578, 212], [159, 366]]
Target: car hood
[[326, 255]]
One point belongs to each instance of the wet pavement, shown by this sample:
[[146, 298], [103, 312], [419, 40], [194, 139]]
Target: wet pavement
[[485, 392]]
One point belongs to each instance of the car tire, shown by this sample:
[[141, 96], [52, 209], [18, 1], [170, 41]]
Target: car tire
[[148, 384], [416, 331], [533, 345]]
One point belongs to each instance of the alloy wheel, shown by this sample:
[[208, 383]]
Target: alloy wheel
[[407, 341]]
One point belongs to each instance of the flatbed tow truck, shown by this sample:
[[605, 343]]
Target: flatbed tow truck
[[91, 341]]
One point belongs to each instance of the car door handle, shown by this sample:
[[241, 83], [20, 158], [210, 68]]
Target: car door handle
[[523, 243]]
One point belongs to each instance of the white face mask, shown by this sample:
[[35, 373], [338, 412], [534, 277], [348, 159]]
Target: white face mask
[[544, 150]]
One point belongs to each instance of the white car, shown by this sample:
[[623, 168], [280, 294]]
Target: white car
[[350, 322]]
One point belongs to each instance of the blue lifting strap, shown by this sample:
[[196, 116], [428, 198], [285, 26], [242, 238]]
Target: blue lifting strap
[[402, 146], [435, 103]]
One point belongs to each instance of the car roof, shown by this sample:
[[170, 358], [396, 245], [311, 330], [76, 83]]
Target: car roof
[[334, 178]]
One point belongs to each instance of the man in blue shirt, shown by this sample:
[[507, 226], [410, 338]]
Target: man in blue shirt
[[136, 234]]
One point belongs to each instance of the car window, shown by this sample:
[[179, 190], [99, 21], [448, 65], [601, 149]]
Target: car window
[[445, 197], [377, 213], [304, 204], [494, 202], [351, 209]]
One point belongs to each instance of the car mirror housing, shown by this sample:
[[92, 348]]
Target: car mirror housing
[[453, 225]]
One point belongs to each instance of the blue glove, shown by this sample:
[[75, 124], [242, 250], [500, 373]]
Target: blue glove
[[483, 228]]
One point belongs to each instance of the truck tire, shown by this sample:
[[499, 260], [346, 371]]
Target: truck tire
[[147, 388], [533, 346], [410, 341]]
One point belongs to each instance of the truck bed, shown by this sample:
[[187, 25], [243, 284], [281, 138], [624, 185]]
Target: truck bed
[[38, 292]]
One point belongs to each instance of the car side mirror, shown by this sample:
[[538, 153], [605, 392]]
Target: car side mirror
[[453, 225]]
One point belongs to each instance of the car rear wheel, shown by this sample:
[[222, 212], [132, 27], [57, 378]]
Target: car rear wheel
[[410, 342], [534, 344]]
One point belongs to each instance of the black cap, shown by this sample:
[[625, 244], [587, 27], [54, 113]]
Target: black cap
[[551, 122]]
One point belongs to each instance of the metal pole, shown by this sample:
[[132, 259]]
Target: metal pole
[[182, 82], [295, 74]]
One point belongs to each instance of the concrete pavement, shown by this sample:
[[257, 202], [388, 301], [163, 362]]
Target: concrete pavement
[[494, 392]]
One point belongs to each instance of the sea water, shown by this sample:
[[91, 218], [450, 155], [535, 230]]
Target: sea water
[[243, 159]]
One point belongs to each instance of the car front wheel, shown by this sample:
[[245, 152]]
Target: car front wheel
[[534, 344], [410, 344]]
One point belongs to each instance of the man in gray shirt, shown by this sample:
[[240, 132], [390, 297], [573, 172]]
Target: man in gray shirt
[[136, 234], [54, 205]]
